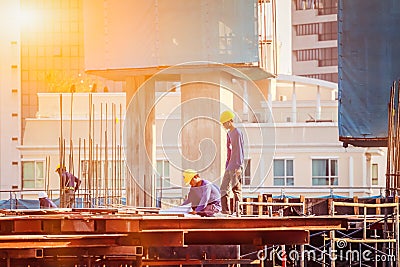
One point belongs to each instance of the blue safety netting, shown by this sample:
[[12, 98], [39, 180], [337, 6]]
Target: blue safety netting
[[368, 64], [333, 196], [22, 203], [34, 204]]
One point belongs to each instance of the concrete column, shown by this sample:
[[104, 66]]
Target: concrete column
[[367, 178], [203, 97], [351, 176], [266, 87], [318, 111], [139, 131], [294, 104]]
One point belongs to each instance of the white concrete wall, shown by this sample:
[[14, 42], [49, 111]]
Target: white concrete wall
[[42, 134], [284, 35], [10, 70], [299, 141], [143, 34]]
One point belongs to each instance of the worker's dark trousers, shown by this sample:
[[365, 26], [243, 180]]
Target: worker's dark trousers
[[233, 182], [210, 210], [69, 198]]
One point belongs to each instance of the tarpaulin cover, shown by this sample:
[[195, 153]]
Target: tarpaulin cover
[[369, 63], [23, 203]]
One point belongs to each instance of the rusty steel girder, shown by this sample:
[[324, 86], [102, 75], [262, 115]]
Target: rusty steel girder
[[110, 236]]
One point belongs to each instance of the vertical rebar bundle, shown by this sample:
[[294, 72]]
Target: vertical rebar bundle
[[393, 144], [100, 159]]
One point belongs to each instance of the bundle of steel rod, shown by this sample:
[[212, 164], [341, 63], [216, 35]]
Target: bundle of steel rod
[[393, 144], [100, 164]]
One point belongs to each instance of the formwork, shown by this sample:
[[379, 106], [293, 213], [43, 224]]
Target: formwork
[[111, 237]]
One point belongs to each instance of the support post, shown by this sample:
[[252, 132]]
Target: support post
[[333, 248]]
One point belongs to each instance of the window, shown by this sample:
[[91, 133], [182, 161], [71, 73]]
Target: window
[[33, 174], [326, 7], [374, 174], [325, 172], [247, 172], [307, 29], [163, 174], [328, 57], [283, 172], [325, 56], [328, 31], [305, 4], [307, 54]]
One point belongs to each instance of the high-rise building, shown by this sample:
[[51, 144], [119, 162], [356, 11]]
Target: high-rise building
[[41, 50], [314, 39], [9, 94], [52, 52]]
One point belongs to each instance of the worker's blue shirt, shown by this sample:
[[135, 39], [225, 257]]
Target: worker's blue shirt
[[203, 195], [235, 148]]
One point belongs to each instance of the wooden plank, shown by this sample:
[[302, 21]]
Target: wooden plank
[[378, 209], [259, 238], [249, 208], [242, 223], [121, 225], [193, 262], [77, 226], [303, 200], [356, 209], [260, 208], [155, 239]]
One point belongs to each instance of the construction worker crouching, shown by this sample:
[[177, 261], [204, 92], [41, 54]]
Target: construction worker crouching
[[70, 184], [204, 196], [45, 202]]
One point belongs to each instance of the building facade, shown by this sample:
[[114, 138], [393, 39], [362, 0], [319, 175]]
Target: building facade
[[300, 119], [42, 51], [10, 95], [290, 122], [314, 39]]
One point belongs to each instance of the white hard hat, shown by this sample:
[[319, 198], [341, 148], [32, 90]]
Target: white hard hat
[[42, 194]]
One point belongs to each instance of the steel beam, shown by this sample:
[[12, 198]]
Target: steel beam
[[258, 238]]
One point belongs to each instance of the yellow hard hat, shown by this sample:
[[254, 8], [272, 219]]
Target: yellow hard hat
[[227, 115], [188, 175], [58, 167]]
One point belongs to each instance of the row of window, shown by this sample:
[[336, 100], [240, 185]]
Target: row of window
[[325, 56], [331, 77], [324, 7], [324, 172], [33, 174], [326, 30]]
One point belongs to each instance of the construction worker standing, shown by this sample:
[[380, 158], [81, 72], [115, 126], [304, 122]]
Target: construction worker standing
[[70, 184], [234, 163], [204, 196]]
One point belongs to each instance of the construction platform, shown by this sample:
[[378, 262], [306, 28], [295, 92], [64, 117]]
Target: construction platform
[[112, 237]]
